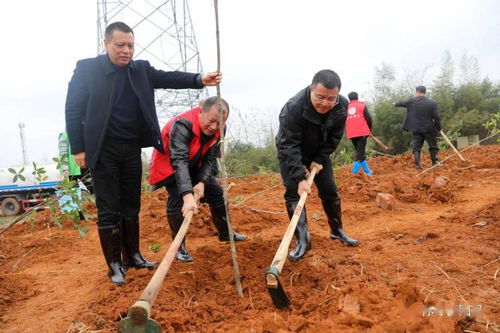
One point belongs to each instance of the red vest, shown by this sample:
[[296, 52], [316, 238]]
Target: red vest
[[160, 167], [355, 124]]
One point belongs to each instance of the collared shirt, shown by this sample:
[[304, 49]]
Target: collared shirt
[[127, 121]]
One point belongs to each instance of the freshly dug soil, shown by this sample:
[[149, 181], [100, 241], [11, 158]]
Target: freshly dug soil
[[438, 247]]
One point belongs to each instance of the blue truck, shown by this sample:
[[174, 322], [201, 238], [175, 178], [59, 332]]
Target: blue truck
[[21, 195]]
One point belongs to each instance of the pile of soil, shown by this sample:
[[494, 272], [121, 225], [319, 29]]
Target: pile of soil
[[438, 247]]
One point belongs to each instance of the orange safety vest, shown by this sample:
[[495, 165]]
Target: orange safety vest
[[160, 167]]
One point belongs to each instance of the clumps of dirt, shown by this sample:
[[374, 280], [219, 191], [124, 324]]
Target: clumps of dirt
[[408, 293], [14, 288], [441, 194], [381, 285], [488, 214], [410, 186]]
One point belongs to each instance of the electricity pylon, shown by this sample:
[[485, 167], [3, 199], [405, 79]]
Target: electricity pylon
[[164, 36]]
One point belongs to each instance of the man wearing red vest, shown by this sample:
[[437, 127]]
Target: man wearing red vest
[[358, 127], [189, 165]]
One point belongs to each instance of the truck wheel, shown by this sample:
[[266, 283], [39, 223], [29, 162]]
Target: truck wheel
[[10, 207]]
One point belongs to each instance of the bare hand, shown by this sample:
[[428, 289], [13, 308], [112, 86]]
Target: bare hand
[[199, 190], [80, 159], [303, 186], [318, 167], [211, 79], [189, 204]]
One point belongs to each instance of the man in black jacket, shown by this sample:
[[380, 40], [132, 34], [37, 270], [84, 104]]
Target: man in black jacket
[[422, 119], [110, 115], [311, 126]]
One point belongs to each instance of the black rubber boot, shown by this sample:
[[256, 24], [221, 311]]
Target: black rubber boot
[[417, 160], [220, 222], [434, 159], [125, 257], [303, 243], [175, 219], [132, 256], [110, 244], [333, 212]]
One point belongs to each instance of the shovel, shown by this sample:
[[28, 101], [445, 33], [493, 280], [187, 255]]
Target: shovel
[[138, 320], [276, 291]]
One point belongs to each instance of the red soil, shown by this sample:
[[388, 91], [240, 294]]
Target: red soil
[[427, 251]]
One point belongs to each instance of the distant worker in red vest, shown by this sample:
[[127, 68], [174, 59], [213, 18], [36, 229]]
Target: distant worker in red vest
[[358, 128], [189, 165]]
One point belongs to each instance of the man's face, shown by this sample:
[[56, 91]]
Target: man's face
[[323, 99], [120, 47], [209, 120]]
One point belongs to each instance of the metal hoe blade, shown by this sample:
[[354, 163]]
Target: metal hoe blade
[[150, 326], [275, 289], [138, 320]]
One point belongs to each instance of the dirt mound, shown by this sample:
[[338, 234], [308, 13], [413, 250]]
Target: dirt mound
[[438, 247]]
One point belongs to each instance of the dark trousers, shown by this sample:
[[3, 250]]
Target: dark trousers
[[85, 178], [214, 195], [117, 181], [418, 142], [324, 181], [360, 146]]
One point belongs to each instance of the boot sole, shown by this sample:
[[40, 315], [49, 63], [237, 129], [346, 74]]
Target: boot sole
[[227, 241], [343, 241], [184, 260], [119, 283], [142, 267], [308, 248], [137, 267]]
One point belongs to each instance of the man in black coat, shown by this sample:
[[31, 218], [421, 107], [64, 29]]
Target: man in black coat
[[110, 115], [311, 127], [422, 119]]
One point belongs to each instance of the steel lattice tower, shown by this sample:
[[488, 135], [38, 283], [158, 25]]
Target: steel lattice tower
[[164, 36]]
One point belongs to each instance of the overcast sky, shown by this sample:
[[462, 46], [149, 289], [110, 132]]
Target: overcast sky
[[270, 50]]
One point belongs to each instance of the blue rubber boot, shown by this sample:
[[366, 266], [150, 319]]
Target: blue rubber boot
[[355, 167], [366, 169]]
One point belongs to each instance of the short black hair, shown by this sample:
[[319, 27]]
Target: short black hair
[[116, 26], [328, 78], [209, 102], [353, 96], [421, 89]]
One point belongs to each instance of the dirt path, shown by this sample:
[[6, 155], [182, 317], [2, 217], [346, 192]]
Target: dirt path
[[429, 251]]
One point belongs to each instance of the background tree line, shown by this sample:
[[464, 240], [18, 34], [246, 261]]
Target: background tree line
[[466, 102]]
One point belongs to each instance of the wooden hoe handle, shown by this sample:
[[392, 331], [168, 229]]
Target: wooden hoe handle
[[381, 144], [281, 253], [140, 311], [452, 146]]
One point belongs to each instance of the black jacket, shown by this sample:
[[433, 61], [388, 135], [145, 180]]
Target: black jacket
[[187, 169], [305, 135], [90, 96], [422, 115]]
